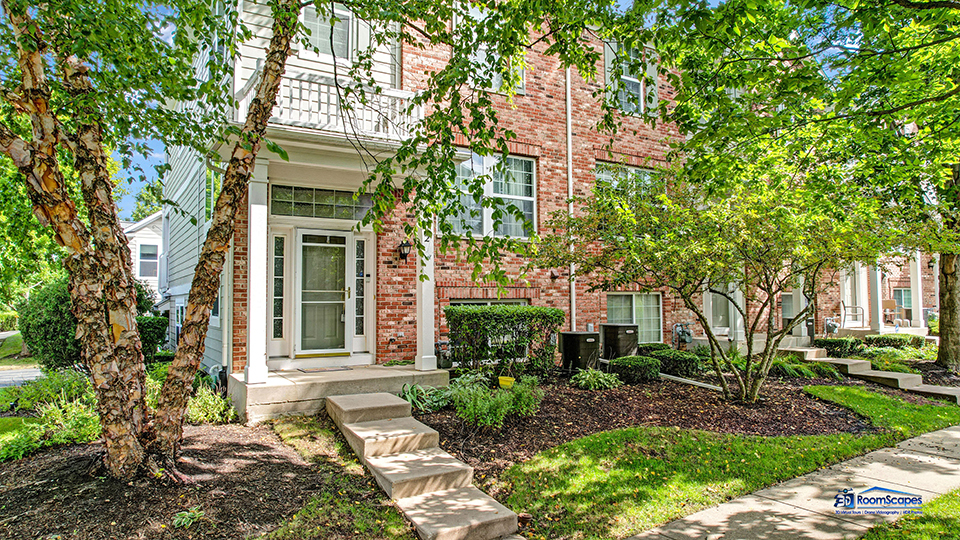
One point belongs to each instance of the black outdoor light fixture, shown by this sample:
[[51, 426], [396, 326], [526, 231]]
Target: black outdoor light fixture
[[404, 249]]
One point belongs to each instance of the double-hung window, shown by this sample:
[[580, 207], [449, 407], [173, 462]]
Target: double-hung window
[[149, 260], [510, 183], [641, 309], [213, 183], [486, 59], [328, 36], [614, 174], [632, 88]]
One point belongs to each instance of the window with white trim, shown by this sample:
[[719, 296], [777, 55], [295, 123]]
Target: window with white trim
[[330, 35], [635, 89], [615, 173], [642, 309], [487, 60], [149, 260], [215, 311], [904, 300], [513, 183], [213, 183]]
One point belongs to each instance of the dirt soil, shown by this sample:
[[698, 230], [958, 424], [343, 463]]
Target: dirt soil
[[567, 413], [246, 482]]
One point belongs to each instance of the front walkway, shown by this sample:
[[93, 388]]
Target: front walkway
[[803, 508], [16, 377]]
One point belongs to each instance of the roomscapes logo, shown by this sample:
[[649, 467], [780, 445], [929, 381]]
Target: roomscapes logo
[[877, 500]]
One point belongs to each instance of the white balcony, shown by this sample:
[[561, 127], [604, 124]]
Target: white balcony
[[315, 102]]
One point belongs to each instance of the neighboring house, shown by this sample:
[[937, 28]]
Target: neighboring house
[[145, 238], [303, 288]]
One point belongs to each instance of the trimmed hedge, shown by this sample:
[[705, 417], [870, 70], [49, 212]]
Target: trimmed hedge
[[49, 328], [839, 347], [635, 369], [679, 363], [897, 341], [8, 321], [644, 349], [503, 334], [153, 333]]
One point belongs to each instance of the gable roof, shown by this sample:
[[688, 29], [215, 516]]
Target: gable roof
[[145, 222]]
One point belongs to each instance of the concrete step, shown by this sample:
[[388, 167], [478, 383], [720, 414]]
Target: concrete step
[[390, 436], [848, 366], [458, 514], [416, 473], [806, 353], [902, 381], [356, 408], [950, 393]]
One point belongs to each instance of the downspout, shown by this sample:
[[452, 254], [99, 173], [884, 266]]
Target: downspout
[[573, 281]]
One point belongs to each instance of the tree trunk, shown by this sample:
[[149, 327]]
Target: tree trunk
[[948, 355], [172, 406], [99, 331]]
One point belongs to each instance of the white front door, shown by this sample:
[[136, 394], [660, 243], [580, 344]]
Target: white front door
[[325, 309]]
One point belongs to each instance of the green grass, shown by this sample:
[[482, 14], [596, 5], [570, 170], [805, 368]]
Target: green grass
[[348, 504], [619, 483], [940, 519], [13, 423], [9, 349]]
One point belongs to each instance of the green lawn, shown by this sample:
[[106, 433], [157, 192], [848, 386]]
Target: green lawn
[[9, 350], [349, 504], [13, 423], [619, 483], [940, 519]]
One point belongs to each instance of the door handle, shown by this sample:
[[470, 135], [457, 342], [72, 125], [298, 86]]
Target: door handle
[[348, 293]]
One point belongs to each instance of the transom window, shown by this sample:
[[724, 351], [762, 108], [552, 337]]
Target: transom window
[[513, 183], [149, 260], [485, 302], [641, 309], [329, 39], [320, 203]]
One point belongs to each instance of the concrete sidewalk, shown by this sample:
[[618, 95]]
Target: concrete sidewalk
[[16, 377], [803, 508]]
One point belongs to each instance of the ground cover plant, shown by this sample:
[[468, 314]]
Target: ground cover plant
[[644, 476], [592, 379], [940, 519], [348, 503]]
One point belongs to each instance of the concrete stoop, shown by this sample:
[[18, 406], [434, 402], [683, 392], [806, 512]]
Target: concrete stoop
[[806, 353], [910, 382], [432, 488]]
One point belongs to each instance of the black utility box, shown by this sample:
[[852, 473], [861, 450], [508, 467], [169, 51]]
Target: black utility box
[[579, 350], [618, 340]]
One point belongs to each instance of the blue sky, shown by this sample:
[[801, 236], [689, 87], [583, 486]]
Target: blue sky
[[131, 176]]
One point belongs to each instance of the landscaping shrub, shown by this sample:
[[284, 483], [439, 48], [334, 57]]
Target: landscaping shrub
[[635, 369], [49, 328], [66, 384], [898, 341], [592, 379], [526, 395], [795, 368], [146, 298], [153, 334], [8, 321], [206, 406], [478, 406], [504, 335], [61, 421], [678, 363], [839, 347], [644, 349]]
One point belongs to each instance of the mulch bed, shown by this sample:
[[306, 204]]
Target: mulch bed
[[245, 481], [934, 374], [568, 413]]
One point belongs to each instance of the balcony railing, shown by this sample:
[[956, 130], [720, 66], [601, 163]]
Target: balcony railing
[[316, 102]]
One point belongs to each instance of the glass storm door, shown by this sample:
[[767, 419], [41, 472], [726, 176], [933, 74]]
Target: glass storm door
[[325, 310]]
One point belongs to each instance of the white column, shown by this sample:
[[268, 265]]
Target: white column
[[799, 304], [426, 298], [916, 289], [257, 260], [876, 299], [863, 291]]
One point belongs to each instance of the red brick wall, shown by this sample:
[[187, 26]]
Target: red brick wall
[[237, 340]]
